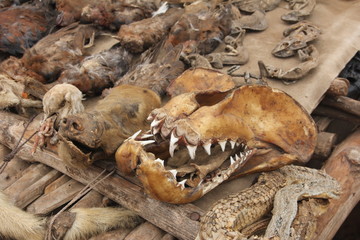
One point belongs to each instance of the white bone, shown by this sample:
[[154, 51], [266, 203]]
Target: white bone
[[192, 150], [207, 147], [135, 134], [237, 157], [222, 145], [146, 136], [143, 143], [182, 183], [155, 122], [232, 161], [173, 143], [173, 172]]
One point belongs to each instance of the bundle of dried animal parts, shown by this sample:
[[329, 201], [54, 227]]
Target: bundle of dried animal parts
[[202, 31], [97, 72], [102, 129], [252, 128], [309, 58], [300, 10], [22, 26], [256, 21], [112, 15], [52, 54], [141, 35], [157, 68], [280, 191]]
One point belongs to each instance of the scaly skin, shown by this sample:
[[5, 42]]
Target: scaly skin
[[249, 205], [282, 189]]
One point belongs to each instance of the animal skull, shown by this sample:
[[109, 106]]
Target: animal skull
[[204, 137]]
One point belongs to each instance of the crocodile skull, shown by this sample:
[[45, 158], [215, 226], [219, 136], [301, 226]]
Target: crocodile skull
[[203, 138]]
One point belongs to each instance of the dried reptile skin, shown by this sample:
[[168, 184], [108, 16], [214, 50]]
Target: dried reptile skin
[[249, 205]]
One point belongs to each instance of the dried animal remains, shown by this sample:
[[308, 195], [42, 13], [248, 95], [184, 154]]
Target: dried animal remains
[[252, 128], [300, 10], [280, 190], [105, 127]]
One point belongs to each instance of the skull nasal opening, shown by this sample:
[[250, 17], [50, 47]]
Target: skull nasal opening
[[210, 98], [72, 124]]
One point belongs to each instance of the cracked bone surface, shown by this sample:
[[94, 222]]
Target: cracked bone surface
[[248, 129]]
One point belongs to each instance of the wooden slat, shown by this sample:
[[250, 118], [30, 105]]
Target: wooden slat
[[146, 231], [56, 184], [92, 199], [34, 173], [174, 219], [37, 189], [343, 165], [49, 202], [118, 234], [13, 171]]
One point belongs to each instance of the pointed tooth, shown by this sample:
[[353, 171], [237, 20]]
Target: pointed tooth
[[146, 136], [232, 144], [150, 117], [135, 134], [237, 157], [207, 147], [237, 144], [182, 183], [160, 161], [148, 131], [173, 143], [143, 143], [232, 161], [173, 172], [155, 130], [222, 145], [192, 150], [155, 122]]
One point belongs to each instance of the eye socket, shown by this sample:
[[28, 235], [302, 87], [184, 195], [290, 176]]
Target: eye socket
[[210, 98]]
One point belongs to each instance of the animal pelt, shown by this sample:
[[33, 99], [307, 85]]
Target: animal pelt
[[141, 35], [18, 224], [157, 68], [113, 15], [22, 26], [83, 223], [202, 31], [98, 71], [50, 56]]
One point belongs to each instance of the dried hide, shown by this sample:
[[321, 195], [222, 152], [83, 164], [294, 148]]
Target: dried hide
[[201, 32], [156, 70], [103, 129], [113, 15], [254, 5], [50, 56], [139, 36], [249, 129], [22, 26], [300, 10], [97, 71]]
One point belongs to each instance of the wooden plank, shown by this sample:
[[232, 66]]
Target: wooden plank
[[56, 184], [174, 219], [92, 199], [13, 171], [324, 145], [146, 231], [49, 202], [34, 191], [343, 165], [118, 234], [34, 173]]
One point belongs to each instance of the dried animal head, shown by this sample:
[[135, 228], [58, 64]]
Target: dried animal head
[[201, 32], [98, 71], [50, 55], [104, 128], [296, 37], [300, 10], [253, 5], [205, 137], [62, 99]]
